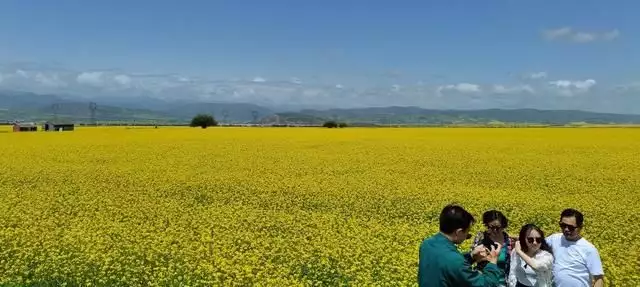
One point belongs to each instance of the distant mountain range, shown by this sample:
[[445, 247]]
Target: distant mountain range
[[415, 115], [26, 106]]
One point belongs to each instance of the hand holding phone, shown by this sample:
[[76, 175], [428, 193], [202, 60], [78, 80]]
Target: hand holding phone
[[488, 243], [494, 253]]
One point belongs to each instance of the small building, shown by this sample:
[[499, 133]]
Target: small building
[[58, 126], [25, 127]]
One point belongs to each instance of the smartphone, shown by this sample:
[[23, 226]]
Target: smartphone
[[487, 242]]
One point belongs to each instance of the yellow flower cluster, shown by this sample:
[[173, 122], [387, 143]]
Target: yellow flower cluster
[[297, 206]]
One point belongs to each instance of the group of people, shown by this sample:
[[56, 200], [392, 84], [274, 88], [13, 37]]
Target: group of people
[[563, 259]]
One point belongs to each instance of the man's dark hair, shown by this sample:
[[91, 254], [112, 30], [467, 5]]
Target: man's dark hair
[[570, 212], [492, 215], [454, 217]]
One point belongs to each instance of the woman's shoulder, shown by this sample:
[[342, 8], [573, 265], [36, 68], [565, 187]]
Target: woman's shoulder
[[544, 253]]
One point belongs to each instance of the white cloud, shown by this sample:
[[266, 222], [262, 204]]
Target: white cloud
[[90, 78], [461, 87], [561, 83], [585, 85], [122, 79], [537, 75], [465, 87], [557, 33], [584, 37], [500, 89], [567, 33], [22, 73], [611, 35], [49, 80], [571, 88], [543, 93]]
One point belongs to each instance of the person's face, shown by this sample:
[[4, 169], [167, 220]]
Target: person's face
[[570, 228], [461, 235], [495, 228], [534, 240]]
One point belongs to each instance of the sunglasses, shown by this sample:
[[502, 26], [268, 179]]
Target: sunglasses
[[567, 226], [531, 240], [494, 228]]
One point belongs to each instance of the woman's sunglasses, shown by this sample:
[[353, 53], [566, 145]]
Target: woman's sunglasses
[[531, 240], [494, 228]]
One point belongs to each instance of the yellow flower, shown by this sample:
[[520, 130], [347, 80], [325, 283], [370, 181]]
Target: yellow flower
[[295, 207]]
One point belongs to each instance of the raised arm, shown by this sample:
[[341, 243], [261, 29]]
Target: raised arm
[[512, 280], [489, 277], [544, 263]]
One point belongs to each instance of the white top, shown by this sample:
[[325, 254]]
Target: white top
[[576, 262], [525, 274]]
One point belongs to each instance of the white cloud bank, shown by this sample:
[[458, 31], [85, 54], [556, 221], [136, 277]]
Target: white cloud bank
[[122, 80], [500, 89], [461, 87], [543, 92], [569, 34], [571, 88], [90, 78]]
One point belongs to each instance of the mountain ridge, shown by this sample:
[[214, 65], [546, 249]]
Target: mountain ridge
[[28, 106]]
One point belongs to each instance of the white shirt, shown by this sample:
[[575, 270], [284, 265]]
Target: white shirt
[[576, 262], [541, 277]]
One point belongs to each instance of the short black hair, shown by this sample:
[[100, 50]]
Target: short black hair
[[455, 217], [492, 215], [570, 212]]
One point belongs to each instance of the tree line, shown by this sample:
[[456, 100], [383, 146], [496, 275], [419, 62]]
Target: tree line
[[206, 120]]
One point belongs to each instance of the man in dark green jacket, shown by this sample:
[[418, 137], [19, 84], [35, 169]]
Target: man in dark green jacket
[[441, 264]]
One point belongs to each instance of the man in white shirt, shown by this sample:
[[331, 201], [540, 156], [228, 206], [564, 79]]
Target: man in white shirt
[[576, 261]]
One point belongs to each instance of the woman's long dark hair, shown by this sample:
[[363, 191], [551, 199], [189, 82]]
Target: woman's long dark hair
[[523, 238], [492, 215]]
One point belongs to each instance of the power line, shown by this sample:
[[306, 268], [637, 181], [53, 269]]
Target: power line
[[92, 110]]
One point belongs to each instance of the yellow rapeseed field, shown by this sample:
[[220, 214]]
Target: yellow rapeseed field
[[295, 206]]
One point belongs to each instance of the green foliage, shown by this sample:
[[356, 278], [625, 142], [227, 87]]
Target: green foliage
[[330, 124], [203, 121], [334, 124]]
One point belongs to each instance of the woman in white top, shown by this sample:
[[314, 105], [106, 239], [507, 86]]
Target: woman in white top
[[531, 260]]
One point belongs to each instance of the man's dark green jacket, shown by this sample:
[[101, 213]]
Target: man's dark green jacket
[[441, 264]]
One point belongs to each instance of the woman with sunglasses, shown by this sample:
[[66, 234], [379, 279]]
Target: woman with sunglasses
[[531, 260], [496, 224]]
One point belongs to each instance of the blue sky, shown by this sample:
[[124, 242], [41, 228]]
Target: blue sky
[[347, 43]]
